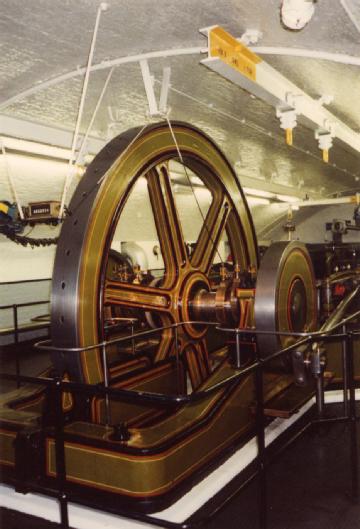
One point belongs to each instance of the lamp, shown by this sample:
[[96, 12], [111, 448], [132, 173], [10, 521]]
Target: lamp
[[295, 14]]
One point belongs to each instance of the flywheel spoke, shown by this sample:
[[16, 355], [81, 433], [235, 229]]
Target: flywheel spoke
[[166, 341], [167, 223], [134, 295], [210, 233]]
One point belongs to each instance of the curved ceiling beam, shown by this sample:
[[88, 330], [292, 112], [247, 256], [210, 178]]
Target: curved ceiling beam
[[341, 58], [265, 50], [104, 65], [351, 14]]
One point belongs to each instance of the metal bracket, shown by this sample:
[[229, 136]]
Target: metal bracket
[[325, 99], [300, 367], [114, 122], [325, 137], [288, 121], [251, 36], [148, 79], [287, 112], [165, 85]]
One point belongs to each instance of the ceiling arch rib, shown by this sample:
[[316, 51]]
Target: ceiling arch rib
[[104, 65], [265, 50]]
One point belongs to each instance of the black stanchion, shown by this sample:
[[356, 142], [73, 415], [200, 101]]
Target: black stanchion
[[16, 340], [354, 455], [57, 387], [345, 371], [60, 454], [260, 437]]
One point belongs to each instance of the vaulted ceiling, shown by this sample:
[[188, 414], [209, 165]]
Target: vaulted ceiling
[[45, 46]]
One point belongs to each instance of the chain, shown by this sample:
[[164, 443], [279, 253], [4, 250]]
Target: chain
[[26, 241]]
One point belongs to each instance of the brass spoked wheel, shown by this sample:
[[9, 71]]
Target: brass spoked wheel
[[131, 186]]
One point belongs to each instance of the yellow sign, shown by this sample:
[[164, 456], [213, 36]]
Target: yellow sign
[[233, 52]]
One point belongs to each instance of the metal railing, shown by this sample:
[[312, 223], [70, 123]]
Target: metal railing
[[58, 386], [16, 330]]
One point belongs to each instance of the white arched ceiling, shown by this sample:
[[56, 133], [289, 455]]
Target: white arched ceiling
[[45, 44]]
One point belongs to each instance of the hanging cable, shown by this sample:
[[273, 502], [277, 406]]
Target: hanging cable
[[192, 188], [102, 7], [97, 106], [126, 149], [11, 181]]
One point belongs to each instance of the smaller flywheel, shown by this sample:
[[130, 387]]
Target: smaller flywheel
[[285, 299]]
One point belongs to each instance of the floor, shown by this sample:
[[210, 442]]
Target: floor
[[14, 520], [308, 486]]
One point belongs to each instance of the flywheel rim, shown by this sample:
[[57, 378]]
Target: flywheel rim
[[77, 305]]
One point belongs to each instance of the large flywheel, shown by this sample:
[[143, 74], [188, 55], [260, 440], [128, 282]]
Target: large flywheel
[[86, 288]]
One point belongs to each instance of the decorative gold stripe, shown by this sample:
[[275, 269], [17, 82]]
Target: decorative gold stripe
[[3, 447], [145, 459]]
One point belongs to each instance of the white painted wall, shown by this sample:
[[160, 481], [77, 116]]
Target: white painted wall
[[36, 179], [23, 263]]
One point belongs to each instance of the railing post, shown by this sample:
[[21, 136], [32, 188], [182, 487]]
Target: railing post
[[106, 383], [16, 339], [345, 371], [132, 338], [238, 353], [60, 454], [178, 373], [317, 369], [354, 456], [260, 436]]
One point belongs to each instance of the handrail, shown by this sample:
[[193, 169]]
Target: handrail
[[23, 281], [21, 328], [20, 305], [57, 386], [144, 396], [42, 318], [43, 344]]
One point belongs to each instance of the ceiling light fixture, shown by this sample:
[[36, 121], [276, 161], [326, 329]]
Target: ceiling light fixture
[[258, 192], [34, 148], [295, 14], [276, 197], [257, 201], [287, 198]]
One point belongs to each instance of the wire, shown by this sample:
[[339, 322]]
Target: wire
[[72, 212], [70, 173], [98, 182], [97, 106], [126, 149], [192, 188], [11, 181]]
